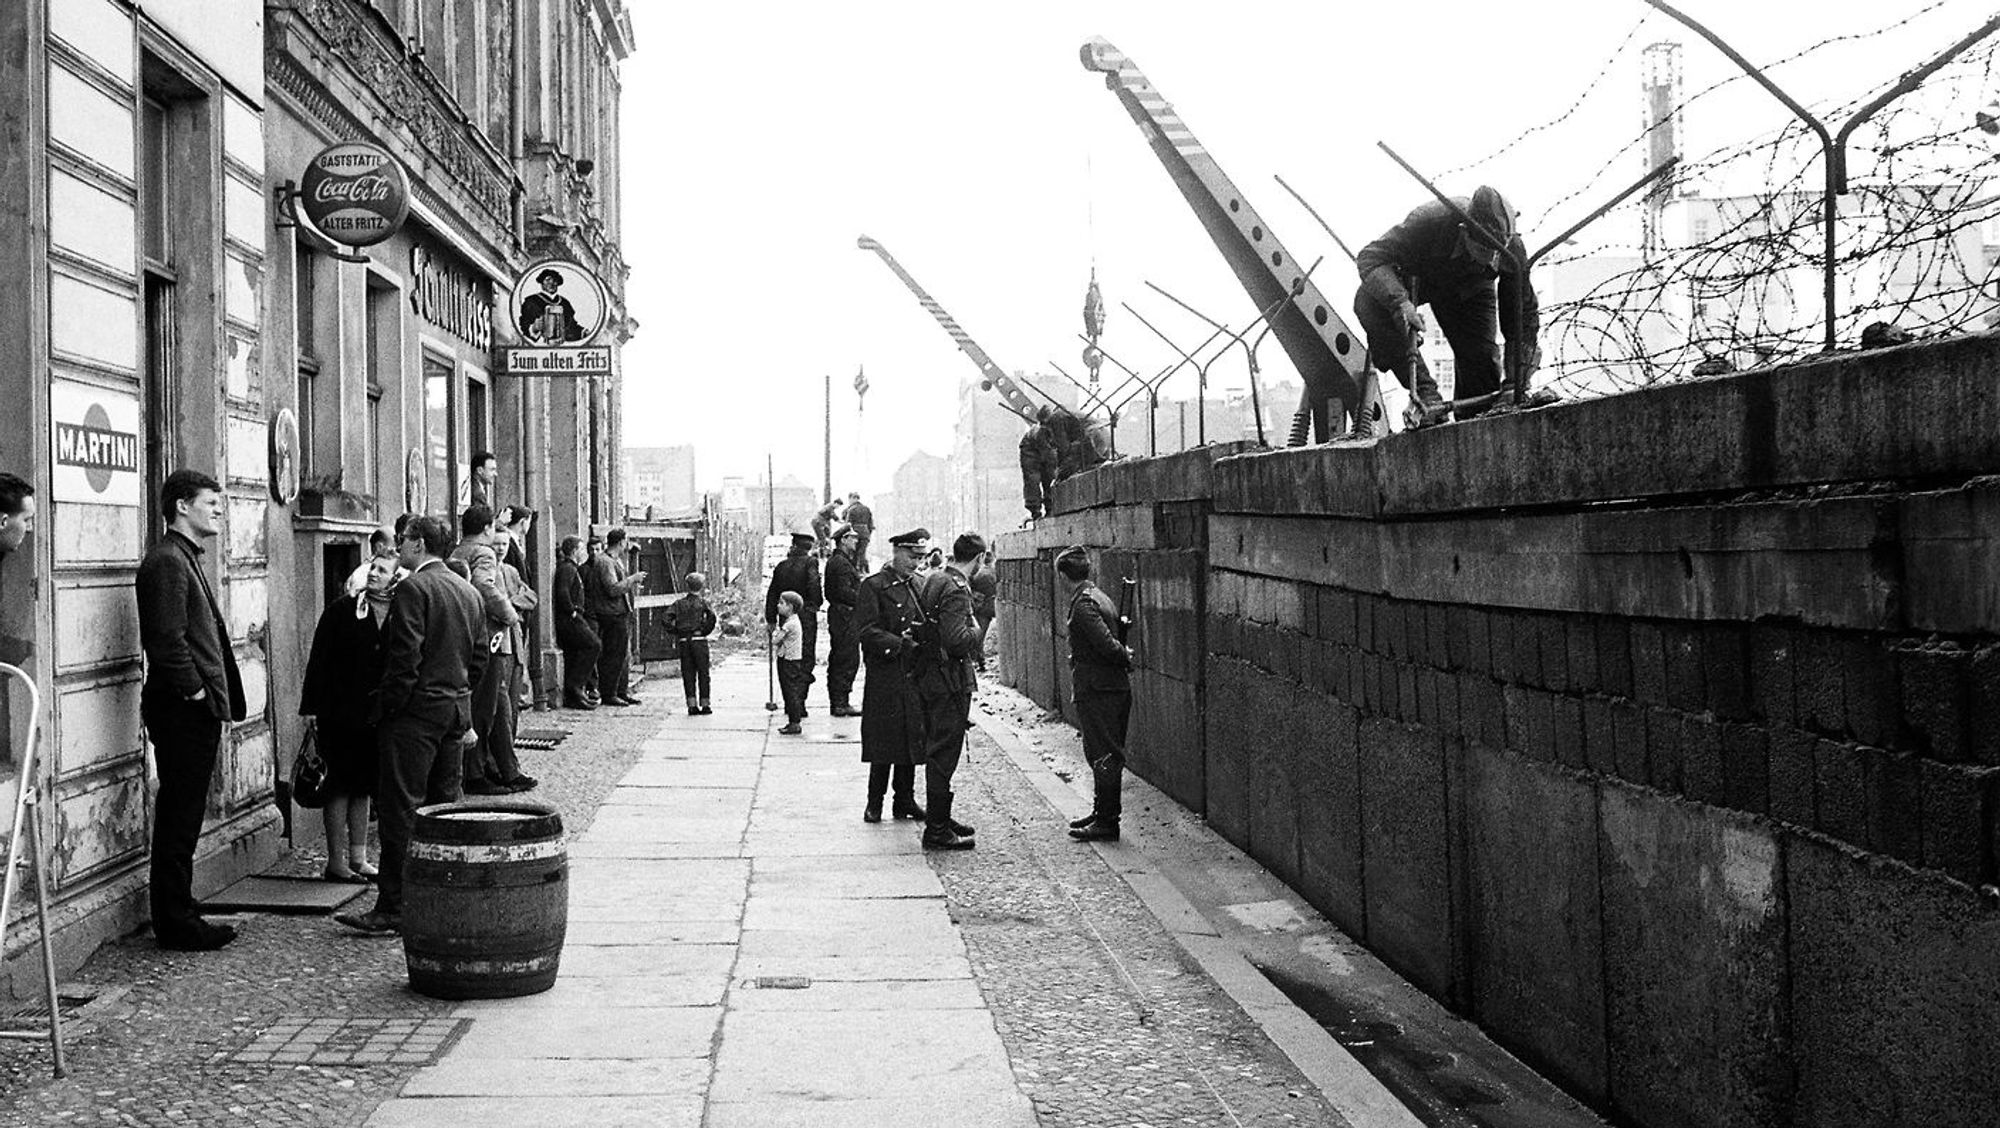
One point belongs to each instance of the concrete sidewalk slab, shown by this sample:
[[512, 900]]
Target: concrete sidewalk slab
[[618, 1111], [563, 1033]]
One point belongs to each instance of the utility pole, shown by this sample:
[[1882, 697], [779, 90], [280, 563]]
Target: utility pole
[[828, 441], [770, 497]]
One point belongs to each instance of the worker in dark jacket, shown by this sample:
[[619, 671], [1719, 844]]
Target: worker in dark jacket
[[843, 588], [1038, 464], [576, 633], [193, 690], [435, 646], [1101, 684], [798, 572], [861, 519], [1431, 258]]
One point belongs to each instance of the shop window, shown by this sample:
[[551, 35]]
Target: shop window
[[440, 484]]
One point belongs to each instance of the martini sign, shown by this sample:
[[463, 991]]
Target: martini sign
[[355, 193]]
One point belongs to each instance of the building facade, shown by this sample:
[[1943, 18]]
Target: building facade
[[660, 479], [176, 311]]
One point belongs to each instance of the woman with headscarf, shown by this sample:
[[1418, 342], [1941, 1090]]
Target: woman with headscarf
[[341, 676]]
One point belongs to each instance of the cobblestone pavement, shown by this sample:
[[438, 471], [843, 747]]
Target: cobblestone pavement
[[1108, 1022], [158, 1048]]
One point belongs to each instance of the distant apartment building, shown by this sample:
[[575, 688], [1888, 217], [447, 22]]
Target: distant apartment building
[[660, 479], [921, 493], [750, 504]]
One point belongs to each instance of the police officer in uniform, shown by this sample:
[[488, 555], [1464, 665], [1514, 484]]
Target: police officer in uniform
[[891, 717], [916, 632], [843, 589], [946, 684], [798, 572], [1100, 668]]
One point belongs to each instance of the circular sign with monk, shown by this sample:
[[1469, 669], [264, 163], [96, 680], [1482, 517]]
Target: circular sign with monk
[[557, 302], [355, 193]]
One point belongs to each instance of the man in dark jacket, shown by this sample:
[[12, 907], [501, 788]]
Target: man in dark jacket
[[608, 590], [843, 658], [798, 572], [1039, 461], [1432, 258], [490, 765], [1101, 684], [434, 648], [575, 632], [861, 519], [192, 690]]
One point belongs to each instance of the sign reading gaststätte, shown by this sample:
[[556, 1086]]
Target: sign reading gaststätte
[[355, 193]]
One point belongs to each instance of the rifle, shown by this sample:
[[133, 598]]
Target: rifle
[[1128, 595]]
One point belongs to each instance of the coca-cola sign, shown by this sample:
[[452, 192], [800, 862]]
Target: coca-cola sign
[[355, 193]]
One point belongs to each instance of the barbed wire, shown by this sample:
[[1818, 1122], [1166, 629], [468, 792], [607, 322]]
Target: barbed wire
[[1740, 284]]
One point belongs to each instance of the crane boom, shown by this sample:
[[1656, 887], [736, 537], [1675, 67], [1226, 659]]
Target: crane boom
[[992, 376], [1331, 358]]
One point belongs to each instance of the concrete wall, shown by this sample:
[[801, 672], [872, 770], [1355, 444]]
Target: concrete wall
[[1657, 734]]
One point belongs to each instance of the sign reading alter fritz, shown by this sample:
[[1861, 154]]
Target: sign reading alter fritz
[[355, 193]]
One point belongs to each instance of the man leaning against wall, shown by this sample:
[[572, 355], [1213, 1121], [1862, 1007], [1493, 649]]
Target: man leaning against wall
[[192, 691]]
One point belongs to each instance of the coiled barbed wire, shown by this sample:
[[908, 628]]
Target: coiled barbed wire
[[1910, 246]]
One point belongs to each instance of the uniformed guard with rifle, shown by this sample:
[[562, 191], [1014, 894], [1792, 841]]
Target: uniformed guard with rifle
[[916, 633], [843, 588], [1100, 665]]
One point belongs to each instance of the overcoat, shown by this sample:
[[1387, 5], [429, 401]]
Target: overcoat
[[890, 614]]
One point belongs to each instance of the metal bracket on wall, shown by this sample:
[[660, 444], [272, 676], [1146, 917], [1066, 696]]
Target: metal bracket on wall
[[286, 197]]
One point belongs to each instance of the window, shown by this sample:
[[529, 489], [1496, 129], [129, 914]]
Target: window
[[305, 321], [384, 353], [478, 420], [174, 190], [440, 485]]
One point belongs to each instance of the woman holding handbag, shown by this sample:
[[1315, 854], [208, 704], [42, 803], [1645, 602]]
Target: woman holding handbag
[[341, 677]]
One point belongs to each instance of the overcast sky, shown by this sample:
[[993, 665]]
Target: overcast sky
[[762, 139]]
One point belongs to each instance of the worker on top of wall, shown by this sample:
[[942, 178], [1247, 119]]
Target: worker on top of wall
[[1038, 464], [1431, 258]]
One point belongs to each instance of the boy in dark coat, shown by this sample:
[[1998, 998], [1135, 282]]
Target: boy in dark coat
[[691, 621]]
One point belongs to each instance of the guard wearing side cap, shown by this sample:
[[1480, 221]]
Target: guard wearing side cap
[[843, 652], [798, 572], [1100, 677], [1433, 258]]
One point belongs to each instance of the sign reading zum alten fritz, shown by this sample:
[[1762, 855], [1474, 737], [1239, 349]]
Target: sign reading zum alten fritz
[[96, 437]]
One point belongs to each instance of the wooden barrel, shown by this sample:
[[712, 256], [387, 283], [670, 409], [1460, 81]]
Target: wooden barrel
[[485, 899]]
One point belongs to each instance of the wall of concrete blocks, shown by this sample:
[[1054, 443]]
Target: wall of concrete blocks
[[1658, 734]]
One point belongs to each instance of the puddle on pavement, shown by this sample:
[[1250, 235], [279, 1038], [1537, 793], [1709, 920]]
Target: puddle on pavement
[[1440, 1087]]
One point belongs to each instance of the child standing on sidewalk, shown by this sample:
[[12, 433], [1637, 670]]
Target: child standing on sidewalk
[[692, 620], [792, 671]]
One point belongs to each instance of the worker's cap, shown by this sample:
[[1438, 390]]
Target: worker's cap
[[919, 539], [842, 531], [1073, 552], [804, 538], [1493, 213]]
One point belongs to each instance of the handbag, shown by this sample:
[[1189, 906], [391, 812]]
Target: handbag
[[309, 773]]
